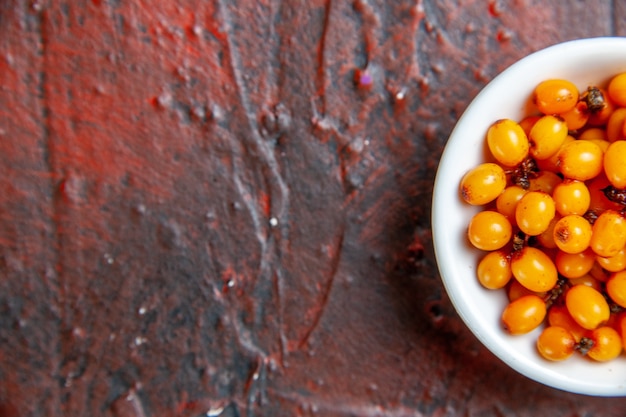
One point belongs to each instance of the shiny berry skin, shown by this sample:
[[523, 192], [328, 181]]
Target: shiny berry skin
[[616, 288], [615, 125], [617, 89], [534, 212], [524, 314], [580, 160], [494, 270], [615, 164], [483, 183], [546, 136], [574, 265], [507, 142], [598, 200], [571, 197], [489, 230], [587, 306], [534, 269], [608, 234], [577, 117], [572, 233], [515, 290], [555, 343], [607, 344], [559, 316], [545, 181], [587, 280], [555, 96], [593, 133], [552, 163], [546, 239], [507, 201], [614, 263]]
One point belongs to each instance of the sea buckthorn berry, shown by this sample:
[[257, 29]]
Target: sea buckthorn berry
[[606, 344], [603, 144], [587, 280], [551, 164], [620, 326], [534, 212], [574, 265], [524, 314], [616, 288], [483, 184], [555, 343], [546, 136], [507, 142], [580, 160], [507, 201], [615, 163], [559, 316], [571, 197], [615, 125], [608, 234], [546, 239], [587, 306], [528, 122], [544, 181], [534, 269], [593, 133], [599, 273], [489, 230], [602, 107], [598, 199], [555, 96], [572, 233], [494, 270], [614, 263], [515, 290], [617, 89], [577, 117]]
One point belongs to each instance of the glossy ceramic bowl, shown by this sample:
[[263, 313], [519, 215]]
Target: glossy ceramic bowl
[[584, 62]]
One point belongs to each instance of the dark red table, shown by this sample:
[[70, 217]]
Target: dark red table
[[216, 208]]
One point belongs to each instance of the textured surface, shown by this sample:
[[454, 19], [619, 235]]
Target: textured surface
[[222, 208]]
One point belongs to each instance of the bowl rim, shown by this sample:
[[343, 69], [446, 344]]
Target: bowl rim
[[547, 373]]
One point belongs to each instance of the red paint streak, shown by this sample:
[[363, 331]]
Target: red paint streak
[[265, 203], [494, 9]]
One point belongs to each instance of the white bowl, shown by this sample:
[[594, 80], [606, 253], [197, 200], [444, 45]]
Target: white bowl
[[584, 62]]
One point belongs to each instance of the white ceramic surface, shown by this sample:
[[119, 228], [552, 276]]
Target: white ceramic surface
[[584, 62]]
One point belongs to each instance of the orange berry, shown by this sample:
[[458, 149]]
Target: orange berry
[[534, 212], [483, 184], [556, 343], [607, 344], [616, 288], [581, 160], [587, 306], [524, 314], [617, 89], [615, 163], [555, 96], [608, 234], [546, 136], [507, 142], [615, 125], [489, 230], [574, 265], [494, 270], [534, 269], [571, 197], [572, 233]]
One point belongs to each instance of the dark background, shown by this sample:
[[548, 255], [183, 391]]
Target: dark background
[[201, 212]]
